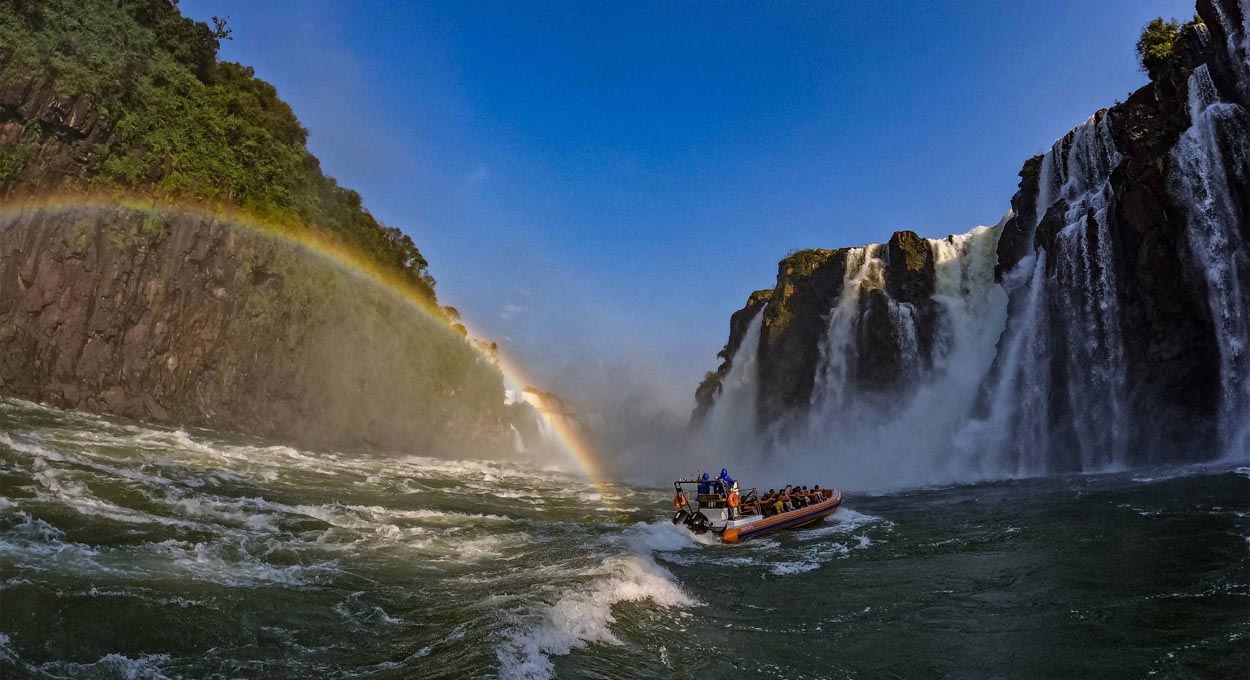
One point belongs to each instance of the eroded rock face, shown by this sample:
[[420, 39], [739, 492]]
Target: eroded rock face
[[1127, 359], [185, 319], [711, 385], [68, 131], [796, 322]]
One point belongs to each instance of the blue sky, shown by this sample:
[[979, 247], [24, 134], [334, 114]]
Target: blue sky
[[599, 185]]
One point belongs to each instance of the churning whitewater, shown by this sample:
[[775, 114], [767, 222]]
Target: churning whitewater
[[141, 552], [284, 562]]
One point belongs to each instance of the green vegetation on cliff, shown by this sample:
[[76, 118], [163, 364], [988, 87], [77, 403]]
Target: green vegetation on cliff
[[129, 95], [1155, 46]]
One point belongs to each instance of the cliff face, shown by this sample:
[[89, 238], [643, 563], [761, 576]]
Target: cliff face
[[177, 317], [185, 319], [1116, 287]]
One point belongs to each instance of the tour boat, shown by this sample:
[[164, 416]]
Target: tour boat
[[735, 516]]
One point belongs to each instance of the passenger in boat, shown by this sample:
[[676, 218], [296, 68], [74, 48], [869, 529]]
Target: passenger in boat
[[787, 504], [779, 506], [750, 503], [705, 484], [797, 497]]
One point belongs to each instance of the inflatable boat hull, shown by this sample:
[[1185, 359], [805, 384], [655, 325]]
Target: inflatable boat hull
[[785, 520]]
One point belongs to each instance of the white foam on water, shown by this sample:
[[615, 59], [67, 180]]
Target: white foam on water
[[788, 568], [644, 538], [30, 448], [480, 549], [356, 612], [7, 653], [584, 617], [251, 513], [234, 566], [440, 516], [530, 497], [456, 635], [147, 667], [843, 521], [35, 545], [59, 485]]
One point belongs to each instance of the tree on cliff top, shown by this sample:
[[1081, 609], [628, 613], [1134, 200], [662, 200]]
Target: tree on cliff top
[[171, 120], [1154, 47]]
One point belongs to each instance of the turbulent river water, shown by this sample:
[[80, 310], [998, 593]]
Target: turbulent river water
[[136, 552]]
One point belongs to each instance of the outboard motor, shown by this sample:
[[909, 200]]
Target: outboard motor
[[698, 523]]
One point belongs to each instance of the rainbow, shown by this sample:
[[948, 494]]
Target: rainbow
[[338, 253]]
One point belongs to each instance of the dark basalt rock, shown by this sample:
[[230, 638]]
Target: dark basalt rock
[[909, 274], [1171, 355], [183, 319], [710, 387], [794, 323], [1013, 243], [910, 278]]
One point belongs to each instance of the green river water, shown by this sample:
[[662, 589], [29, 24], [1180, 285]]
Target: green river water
[[129, 551]]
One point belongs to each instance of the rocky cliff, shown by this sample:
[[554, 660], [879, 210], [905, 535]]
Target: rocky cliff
[[1113, 295], [179, 318], [181, 315]]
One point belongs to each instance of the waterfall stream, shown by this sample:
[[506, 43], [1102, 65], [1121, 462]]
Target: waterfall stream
[[1216, 146], [733, 418], [1033, 375], [1028, 376]]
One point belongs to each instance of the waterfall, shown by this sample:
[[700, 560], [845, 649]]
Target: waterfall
[[1238, 42], [864, 271], [733, 417], [548, 415], [1017, 426], [1032, 375], [963, 278], [1064, 323], [1086, 299], [923, 412], [1217, 144], [518, 442]]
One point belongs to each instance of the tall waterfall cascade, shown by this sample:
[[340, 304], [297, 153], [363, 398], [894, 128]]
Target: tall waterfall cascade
[[1064, 333], [733, 419], [1081, 333], [1213, 152]]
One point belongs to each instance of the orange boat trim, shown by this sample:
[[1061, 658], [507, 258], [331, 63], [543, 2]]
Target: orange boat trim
[[786, 520]]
